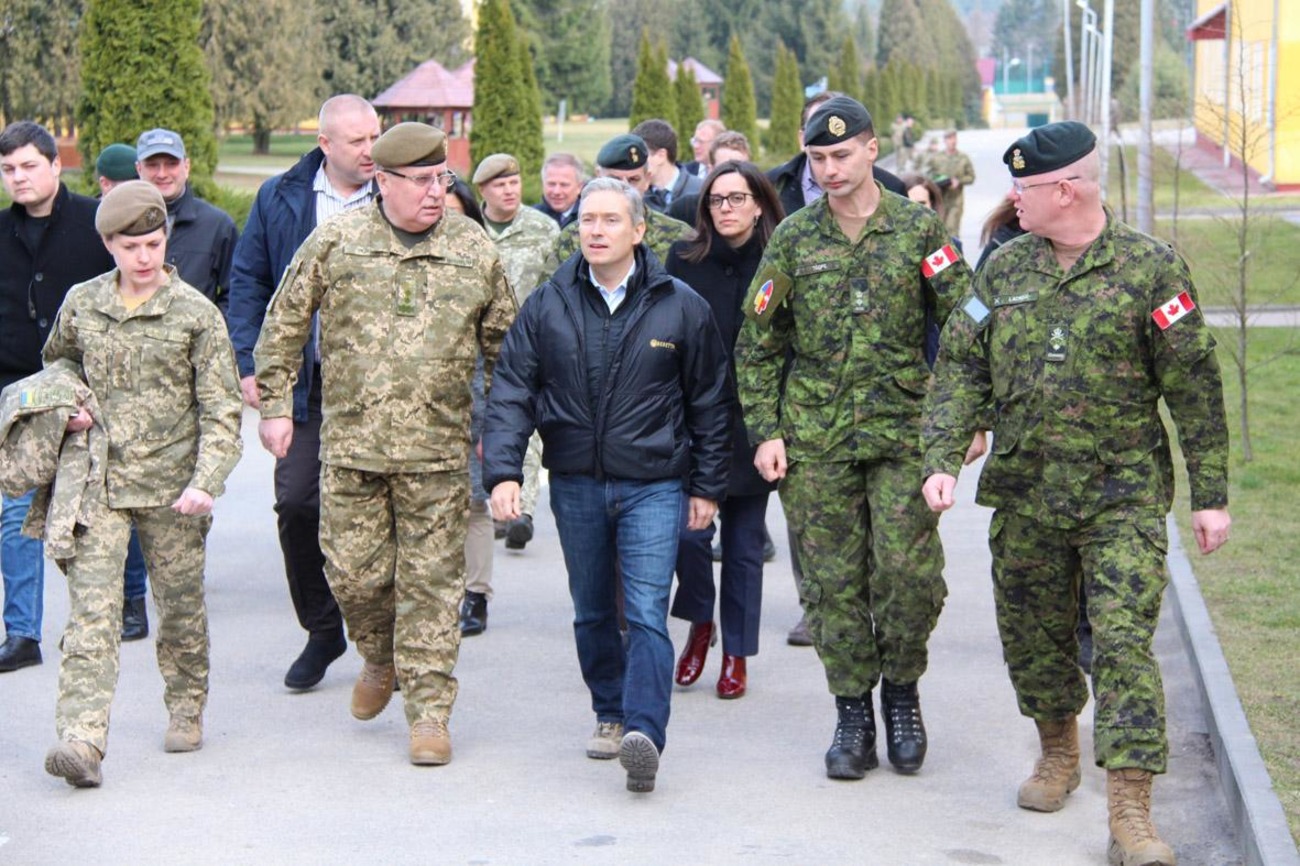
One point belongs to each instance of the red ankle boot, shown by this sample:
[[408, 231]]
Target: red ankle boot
[[731, 684], [691, 664]]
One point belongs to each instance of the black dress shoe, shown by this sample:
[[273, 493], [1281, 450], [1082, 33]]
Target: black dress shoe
[[473, 614], [19, 652], [309, 668], [135, 619], [520, 532], [904, 728]]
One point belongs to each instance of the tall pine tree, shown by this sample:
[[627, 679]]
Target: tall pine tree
[[501, 90], [787, 103], [652, 92], [531, 149], [690, 102], [739, 111], [846, 75]]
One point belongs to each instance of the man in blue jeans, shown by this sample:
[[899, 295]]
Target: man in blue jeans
[[622, 370]]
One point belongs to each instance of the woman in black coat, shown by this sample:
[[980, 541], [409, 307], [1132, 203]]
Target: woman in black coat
[[737, 213]]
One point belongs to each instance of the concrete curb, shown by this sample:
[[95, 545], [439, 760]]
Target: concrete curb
[[1257, 812]]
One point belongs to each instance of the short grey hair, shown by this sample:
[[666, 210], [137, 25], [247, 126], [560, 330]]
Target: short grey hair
[[567, 160], [635, 204]]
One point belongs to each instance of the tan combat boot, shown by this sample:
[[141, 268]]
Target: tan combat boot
[[1133, 839], [184, 734], [76, 762], [430, 742], [1056, 773], [373, 690]]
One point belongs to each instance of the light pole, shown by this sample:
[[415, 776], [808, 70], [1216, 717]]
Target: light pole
[[1087, 29], [1007, 63]]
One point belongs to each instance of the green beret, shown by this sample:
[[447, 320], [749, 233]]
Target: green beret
[[410, 144], [623, 152], [116, 162], [134, 207], [495, 166], [836, 120], [1049, 147]]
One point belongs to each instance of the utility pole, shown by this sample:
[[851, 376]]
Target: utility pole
[[1107, 43], [1071, 109], [1146, 184]]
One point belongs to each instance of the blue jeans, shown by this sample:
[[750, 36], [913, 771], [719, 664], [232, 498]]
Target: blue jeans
[[22, 560], [635, 523], [133, 578]]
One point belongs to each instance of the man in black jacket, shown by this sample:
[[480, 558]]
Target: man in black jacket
[[48, 244], [623, 371]]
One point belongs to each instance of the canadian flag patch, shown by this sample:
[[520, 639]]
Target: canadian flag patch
[[938, 260], [1173, 309]]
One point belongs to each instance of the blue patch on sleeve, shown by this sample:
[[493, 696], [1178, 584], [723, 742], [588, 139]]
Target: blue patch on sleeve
[[975, 308]]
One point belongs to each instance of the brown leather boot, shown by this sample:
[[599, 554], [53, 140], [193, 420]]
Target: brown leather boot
[[76, 762], [691, 663], [430, 742], [373, 690], [1133, 839], [1056, 772]]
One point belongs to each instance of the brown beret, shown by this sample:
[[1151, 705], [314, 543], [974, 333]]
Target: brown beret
[[410, 144], [133, 207], [495, 166]]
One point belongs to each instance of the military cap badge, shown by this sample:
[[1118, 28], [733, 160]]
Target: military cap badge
[[1017, 160], [633, 155], [836, 125]]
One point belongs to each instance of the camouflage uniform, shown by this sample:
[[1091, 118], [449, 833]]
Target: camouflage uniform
[[951, 165], [164, 375], [1068, 369], [848, 405], [661, 231], [400, 330], [527, 250]]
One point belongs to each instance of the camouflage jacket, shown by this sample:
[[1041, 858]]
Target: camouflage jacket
[[164, 374], [1074, 366], [660, 232], [527, 250], [838, 370], [949, 165], [400, 330]]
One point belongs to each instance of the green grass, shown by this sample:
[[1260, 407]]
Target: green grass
[[1249, 584], [1192, 194], [285, 150], [1210, 246]]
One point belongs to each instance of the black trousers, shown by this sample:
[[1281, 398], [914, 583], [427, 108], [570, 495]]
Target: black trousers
[[297, 509]]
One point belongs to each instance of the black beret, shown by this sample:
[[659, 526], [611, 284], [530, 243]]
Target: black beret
[[1049, 147], [133, 207], [410, 144], [836, 120], [623, 152]]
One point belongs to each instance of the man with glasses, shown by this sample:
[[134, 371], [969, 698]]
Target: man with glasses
[[408, 297], [336, 177], [48, 244], [1071, 337]]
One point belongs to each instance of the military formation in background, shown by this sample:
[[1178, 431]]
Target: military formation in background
[[416, 347]]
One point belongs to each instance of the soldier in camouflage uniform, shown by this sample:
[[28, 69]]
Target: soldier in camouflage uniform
[[526, 241], [407, 298], [624, 157], [832, 378], [953, 171], [1071, 336], [156, 354]]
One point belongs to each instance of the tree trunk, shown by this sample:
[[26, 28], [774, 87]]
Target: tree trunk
[[261, 140]]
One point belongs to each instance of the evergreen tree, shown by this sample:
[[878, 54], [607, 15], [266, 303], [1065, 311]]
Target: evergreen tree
[[500, 90], [787, 103], [40, 64], [142, 67], [652, 94], [864, 32], [369, 44], [846, 75], [690, 102], [904, 32], [570, 41], [739, 111], [530, 149], [634, 18]]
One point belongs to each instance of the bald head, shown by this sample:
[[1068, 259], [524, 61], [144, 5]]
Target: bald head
[[349, 127]]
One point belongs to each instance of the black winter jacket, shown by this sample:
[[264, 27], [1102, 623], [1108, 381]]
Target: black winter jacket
[[788, 180], [665, 410]]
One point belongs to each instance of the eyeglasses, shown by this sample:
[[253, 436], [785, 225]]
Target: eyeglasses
[[446, 179], [735, 199], [1021, 187]]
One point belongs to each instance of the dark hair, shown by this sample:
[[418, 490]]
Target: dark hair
[[21, 133], [810, 104], [658, 135], [699, 242], [461, 190], [1002, 215], [912, 179]]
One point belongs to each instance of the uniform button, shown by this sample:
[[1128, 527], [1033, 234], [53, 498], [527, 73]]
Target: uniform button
[[39, 277], [44, 323]]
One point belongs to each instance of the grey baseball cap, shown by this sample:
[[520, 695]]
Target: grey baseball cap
[[157, 141]]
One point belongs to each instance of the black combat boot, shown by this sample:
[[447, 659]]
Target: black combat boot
[[904, 729], [473, 614], [853, 751]]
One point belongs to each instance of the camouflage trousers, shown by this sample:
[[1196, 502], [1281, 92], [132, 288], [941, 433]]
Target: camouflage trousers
[[1036, 574], [953, 205], [394, 546], [532, 469], [872, 565], [174, 553]]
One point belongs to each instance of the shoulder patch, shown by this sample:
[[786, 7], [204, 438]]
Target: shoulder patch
[[1173, 309], [939, 260], [773, 286], [976, 309]]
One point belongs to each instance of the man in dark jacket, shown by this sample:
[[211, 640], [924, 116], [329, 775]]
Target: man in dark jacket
[[336, 176], [622, 370], [48, 244]]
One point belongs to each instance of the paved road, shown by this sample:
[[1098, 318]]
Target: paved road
[[292, 778]]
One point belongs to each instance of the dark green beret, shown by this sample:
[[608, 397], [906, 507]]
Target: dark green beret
[[1049, 147], [410, 144], [836, 120], [133, 207], [623, 152], [116, 162], [495, 166]]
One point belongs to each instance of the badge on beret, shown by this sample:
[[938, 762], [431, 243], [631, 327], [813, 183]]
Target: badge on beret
[[633, 155], [1017, 160], [773, 286], [836, 125]]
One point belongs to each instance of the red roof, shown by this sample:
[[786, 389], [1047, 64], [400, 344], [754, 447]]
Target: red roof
[[986, 66], [430, 85], [703, 74]]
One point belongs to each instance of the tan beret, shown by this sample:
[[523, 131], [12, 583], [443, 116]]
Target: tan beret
[[495, 166], [133, 207], [410, 144]]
